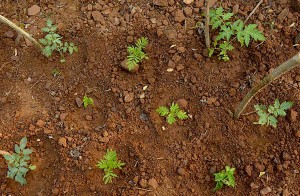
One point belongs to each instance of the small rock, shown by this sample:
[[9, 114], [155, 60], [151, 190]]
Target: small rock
[[181, 171], [297, 78], [285, 192], [78, 101], [62, 141], [97, 16], [143, 183], [48, 84], [34, 10], [171, 64], [253, 185], [9, 34], [211, 100], [40, 123], [125, 66], [188, 2], [153, 183], [248, 170], [235, 9], [297, 134], [14, 58], [283, 14], [188, 11], [63, 116], [180, 67], [286, 156], [179, 16], [265, 190], [104, 140], [47, 131], [232, 92], [182, 103], [293, 115], [128, 97], [163, 3], [212, 2], [88, 117], [55, 191]]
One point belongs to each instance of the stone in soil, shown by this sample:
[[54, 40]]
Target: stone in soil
[[34, 10], [163, 3], [153, 183], [188, 2], [63, 116], [293, 115], [128, 97], [179, 16], [125, 66], [78, 102], [143, 183], [62, 141], [265, 190], [97, 16], [182, 103], [9, 34], [40, 123]]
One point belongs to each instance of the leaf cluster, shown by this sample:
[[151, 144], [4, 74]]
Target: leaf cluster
[[268, 116], [244, 33], [17, 162], [109, 163], [136, 53], [87, 101], [224, 177], [172, 113], [52, 42]]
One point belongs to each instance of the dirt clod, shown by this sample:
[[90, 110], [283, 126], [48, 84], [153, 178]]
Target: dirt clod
[[34, 10], [62, 141], [265, 190], [40, 123], [153, 183]]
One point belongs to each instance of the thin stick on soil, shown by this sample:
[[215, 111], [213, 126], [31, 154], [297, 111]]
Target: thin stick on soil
[[280, 70], [260, 2], [207, 39], [20, 31]]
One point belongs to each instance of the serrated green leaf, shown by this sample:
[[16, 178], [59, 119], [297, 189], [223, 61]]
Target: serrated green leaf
[[27, 151], [272, 121], [182, 115], [171, 119], [87, 101], [19, 178], [162, 111], [251, 31], [23, 143], [211, 52], [17, 149], [227, 16], [286, 105], [276, 104]]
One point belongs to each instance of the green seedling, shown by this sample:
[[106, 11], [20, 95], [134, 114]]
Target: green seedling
[[136, 53], [87, 101], [227, 30], [268, 116], [224, 177], [172, 113], [52, 42], [55, 72], [17, 162], [108, 164]]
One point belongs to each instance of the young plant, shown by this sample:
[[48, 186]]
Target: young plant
[[268, 116], [136, 53], [108, 164], [17, 162], [87, 101], [224, 177], [52, 42], [172, 113], [227, 30]]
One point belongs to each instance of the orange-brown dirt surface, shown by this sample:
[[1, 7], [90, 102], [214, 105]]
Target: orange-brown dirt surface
[[161, 159]]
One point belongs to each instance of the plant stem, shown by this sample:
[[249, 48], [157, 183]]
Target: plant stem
[[207, 39], [20, 31], [280, 70]]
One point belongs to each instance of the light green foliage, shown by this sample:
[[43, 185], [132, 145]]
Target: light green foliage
[[244, 33], [52, 42], [224, 177], [87, 101], [172, 113], [109, 163], [268, 116], [17, 162], [136, 53]]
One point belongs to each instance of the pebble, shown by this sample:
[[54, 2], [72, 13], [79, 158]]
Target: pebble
[[88, 117], [63, 116], [62, 141], [248, 170], [97, 16], [163, 3], [235, 9], [265, 190], [179, 16], [297, 134], [78, 101], [293, 115], [34, 10], [47, 131], [188, 2], [153, 183], [211, 100], [232, 92], [182, 103], [104, 140], [40, 123], [55, 191], [128, 97], [9, 34], [143, 183], [180, 67], [181, 171]]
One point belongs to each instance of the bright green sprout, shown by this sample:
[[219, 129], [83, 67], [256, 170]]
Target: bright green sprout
[[243, 33], [268, 116], [108, 164], [224, 177], [172, 113], [17, 162], [55, 72], [136, 53], [52, 42], [87, 101]]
